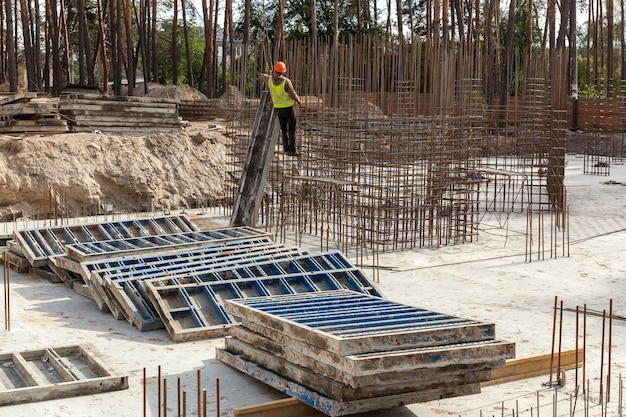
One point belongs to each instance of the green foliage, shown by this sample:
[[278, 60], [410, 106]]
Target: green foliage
[[298, 19], [164, 45]]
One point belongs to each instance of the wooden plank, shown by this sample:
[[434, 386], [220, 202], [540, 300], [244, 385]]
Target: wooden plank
[[6, 98], [98, 99], [94, 111], [129, 130], [117, 121], [536, 365], [288, 407], [333, 407]]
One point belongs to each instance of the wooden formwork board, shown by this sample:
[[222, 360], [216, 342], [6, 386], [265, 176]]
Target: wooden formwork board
[[331, 406], [346, 323], [53, 373], [408, 381]]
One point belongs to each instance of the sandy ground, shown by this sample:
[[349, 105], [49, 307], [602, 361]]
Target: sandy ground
[[488, 280]]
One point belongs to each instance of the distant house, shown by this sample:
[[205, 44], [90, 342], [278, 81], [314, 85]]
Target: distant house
[[238, 46]]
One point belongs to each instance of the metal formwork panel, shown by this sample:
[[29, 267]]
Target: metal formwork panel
[[55, 373], [85, 251], [192, 309], [347, 322], [119, 283], [331, 406], [40, 243]]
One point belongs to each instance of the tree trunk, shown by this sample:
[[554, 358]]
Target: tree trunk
[[490, 67], [27, 38], [143, 41], [38, 65], [508, 54], [190, 80], [57, 71], [153, 44], [66, 44], [82, 56], [231, 40], [314, 52], [280, 31], [224, 40], [621, 44], [11, 46], [215, 46], [130, 52], [102, 46], [246, 43], [175, 44], [609, 52], [335, 57]]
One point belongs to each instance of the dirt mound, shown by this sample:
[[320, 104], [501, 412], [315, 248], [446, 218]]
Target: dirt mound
[[86, 172], [178, 92], [233, 95]]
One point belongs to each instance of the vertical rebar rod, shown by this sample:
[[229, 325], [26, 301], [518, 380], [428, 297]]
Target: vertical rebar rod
[[537, 403], [205, 403], [600, 396], [576, 347], [7, 292], [145, 397], [199, 391], [178, 395], [608, 365], [159, 391], [217, 396], [584, 347], [164, 397], [560, 344], [553, 340]]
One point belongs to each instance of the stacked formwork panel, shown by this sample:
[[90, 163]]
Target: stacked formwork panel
[[344, 353]]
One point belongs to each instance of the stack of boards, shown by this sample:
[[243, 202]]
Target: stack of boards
[[343, 352]]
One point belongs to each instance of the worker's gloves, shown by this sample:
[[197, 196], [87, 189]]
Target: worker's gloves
[[300, 103]]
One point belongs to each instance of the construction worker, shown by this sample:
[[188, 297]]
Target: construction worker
[[284, 97]]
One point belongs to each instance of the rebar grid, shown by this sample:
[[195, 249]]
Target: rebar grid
[[387, 166]]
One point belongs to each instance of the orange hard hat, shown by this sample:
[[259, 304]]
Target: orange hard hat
[[280, 67]]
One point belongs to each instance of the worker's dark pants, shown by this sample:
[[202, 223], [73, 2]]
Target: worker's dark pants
[[287, 120]]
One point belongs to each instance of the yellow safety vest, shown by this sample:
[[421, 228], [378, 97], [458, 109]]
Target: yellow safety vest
[[280, 97]]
